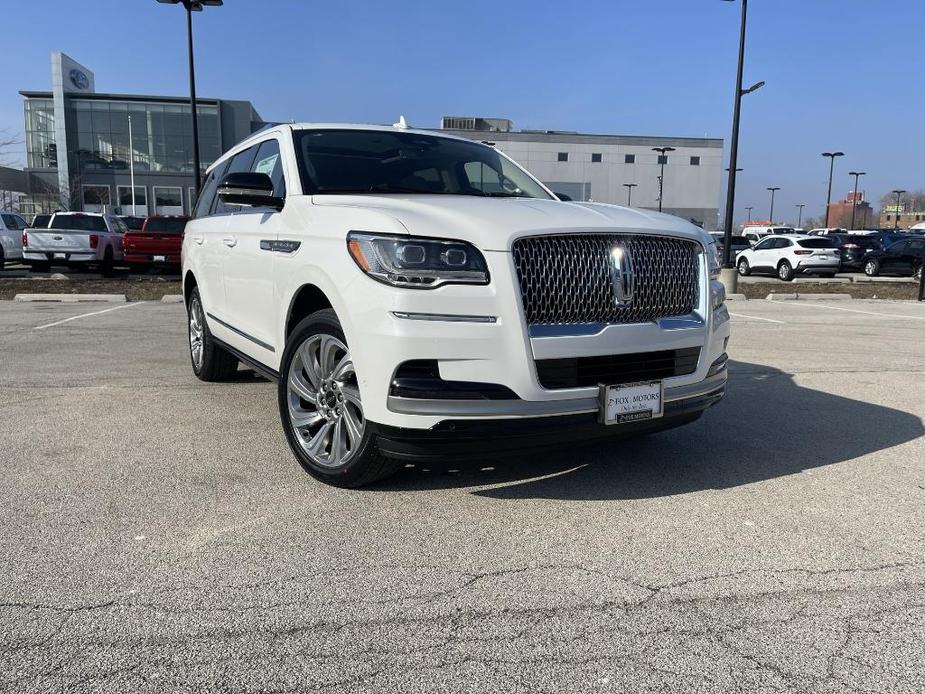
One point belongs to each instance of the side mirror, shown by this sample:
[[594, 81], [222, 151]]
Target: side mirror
[[563, 197], [248, 189]]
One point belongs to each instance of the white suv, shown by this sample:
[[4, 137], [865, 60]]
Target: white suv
[[786, 256], [418, 296]]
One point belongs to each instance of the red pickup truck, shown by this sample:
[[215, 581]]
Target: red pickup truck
[[158, 242]]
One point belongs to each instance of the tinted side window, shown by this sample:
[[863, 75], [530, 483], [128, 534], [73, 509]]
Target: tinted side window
[[242, 161], [916, 245], [204, 203], [269, 161], [9, 221]]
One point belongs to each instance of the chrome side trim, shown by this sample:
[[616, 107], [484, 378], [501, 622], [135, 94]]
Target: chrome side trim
[[445, 317], [544, 408], [689, 322], [259, 343]]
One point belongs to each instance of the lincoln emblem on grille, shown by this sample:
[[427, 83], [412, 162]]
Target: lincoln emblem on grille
[[622, 276]]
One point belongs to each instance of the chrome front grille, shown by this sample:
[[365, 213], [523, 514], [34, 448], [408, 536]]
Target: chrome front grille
[[567, 279]]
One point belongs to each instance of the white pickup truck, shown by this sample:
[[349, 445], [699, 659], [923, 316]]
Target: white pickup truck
[[75, 238]]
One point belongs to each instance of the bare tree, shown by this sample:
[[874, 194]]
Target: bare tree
[[7, 143]]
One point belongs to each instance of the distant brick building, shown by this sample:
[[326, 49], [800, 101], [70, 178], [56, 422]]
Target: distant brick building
[[907, 219], [840, 212]]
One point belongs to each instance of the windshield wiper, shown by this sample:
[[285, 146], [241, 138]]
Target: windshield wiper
[[493, 194]]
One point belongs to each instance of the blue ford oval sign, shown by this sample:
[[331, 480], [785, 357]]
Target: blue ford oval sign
[[79, 79]]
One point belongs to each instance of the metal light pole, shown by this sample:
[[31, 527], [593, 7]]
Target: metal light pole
[[734, 145], [899, 202], [749, 209], [828, 202], [854, 207], [663, 157], [773, 191], [131, 164], [800, 218], [193, 6], [629, 193]]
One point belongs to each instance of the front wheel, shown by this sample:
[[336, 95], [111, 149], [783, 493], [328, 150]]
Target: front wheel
[[785, 271], [917, 273], [871, 268], [321, 408], [744, 269]]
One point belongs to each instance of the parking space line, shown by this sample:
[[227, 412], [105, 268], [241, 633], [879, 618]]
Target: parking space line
[[769, 320], [805, 304], [86, 315]]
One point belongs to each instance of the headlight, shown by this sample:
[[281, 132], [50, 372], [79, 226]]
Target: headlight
[[717, 293], [407, 261], [713, 259]]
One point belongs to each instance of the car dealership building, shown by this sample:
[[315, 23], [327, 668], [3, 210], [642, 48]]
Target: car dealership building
[[81, 145], [601, 167]]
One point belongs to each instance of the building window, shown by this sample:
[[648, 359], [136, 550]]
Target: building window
[[95, 198], [596, 157], [168, 200], [630, 159], [41, 150], [888, 218], [695, 161], [563, 156], [125, 200], [662, 158]]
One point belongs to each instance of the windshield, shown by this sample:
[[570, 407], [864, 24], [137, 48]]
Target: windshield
[[818, 243], [166, 225], [383, 162], [78, 222]]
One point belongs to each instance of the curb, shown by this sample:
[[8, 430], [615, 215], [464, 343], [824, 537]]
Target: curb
[[172, 299], [736, 297], [809, 297], [71, 298]]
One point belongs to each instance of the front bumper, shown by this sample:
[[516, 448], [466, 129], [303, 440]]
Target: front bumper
[[477, 334], [462, 439]]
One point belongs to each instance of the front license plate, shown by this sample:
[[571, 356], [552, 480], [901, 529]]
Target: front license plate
[[162, 258], [631, 402]]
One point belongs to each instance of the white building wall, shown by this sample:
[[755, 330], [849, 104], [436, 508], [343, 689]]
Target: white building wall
[[690, 191]]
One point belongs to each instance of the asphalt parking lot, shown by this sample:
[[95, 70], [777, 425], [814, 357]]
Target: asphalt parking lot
[[158, 535]]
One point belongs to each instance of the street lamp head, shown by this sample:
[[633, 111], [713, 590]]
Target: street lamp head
[[833, 154], [857, 173], [754, 88], [193, 5], [774, 188]]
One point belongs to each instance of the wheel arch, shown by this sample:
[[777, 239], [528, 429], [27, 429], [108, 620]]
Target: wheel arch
[[305, 300], [189, 284]]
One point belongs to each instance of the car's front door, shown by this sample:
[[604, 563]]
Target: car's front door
[[892, 259], [762, 254], [249, 255]]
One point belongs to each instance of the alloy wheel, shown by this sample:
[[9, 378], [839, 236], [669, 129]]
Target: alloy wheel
[[196, 322], [323, 400]]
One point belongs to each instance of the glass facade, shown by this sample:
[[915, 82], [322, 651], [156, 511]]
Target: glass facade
[[161, 135], [41, 151]]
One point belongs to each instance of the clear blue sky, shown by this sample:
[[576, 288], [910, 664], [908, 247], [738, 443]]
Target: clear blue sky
[[842, 74]]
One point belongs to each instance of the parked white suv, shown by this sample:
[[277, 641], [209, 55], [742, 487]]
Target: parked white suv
[[11, 228], [789, 255], [420, 296]]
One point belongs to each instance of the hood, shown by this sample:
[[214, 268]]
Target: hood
[[492, 224]]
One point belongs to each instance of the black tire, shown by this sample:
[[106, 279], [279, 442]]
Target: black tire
[[365, 464], [106, 269], [2, 258], [917, 272], [744, 268], [872, 267], [215, 364], [785, 271]]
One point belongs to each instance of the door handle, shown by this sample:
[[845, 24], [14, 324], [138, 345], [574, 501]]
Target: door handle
[[198, 240], [230, 241]]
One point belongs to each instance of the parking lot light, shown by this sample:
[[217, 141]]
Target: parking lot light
[[193, 6], [800, 216], [629, 193], [773, 190], [899, 203], [749, 210], [828, 202], [663, 157], [854, 208]]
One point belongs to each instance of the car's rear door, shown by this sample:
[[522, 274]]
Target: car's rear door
[[892, 259], [249, 244]]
